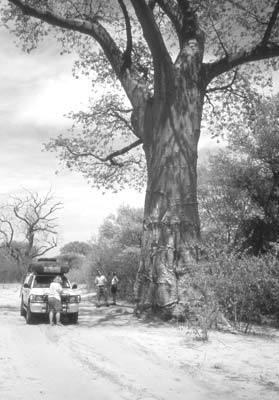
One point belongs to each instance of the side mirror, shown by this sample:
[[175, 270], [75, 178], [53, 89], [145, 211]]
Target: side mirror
[[74, 286], [26, 286]]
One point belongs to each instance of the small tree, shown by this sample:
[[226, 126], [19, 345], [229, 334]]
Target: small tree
[[76, 247], [32, 219]]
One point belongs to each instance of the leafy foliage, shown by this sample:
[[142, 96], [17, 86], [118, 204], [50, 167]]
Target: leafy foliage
[[75, 254], [9, 271], [240, 199], [117, 248], [76, 247], [245, 288], [105, 128]]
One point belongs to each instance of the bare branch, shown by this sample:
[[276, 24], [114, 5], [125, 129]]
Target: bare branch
[[79, 14], [40, 251], [16, 212], [218, 36], [224, 87], [117, 114], [210, 102], [8, 237]]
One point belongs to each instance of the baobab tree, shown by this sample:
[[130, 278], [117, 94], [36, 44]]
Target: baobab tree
[[167, 56]]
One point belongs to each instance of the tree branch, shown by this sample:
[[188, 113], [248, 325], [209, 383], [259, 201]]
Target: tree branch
[[171, 10], [151, 31], [218, 36], [40, 251], [110, 157], [225, 64], [92, 28], [224, 87], [270, 25], [9, 238], [161, 59], [127, 59], [16, 212], [54, 19]]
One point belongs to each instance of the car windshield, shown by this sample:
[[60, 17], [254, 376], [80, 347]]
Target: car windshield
[[44, 281]]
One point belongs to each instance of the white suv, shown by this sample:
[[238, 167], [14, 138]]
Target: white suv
[[35, 290]]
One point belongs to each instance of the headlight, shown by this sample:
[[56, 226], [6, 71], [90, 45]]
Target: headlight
[[74, 299], [35, 298]]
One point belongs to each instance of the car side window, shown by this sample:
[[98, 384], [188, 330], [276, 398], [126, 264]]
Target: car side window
[[29, 280]]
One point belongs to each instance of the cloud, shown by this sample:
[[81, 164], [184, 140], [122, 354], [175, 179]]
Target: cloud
[[38, 87]]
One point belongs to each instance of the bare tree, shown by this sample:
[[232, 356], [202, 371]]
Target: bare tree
[[28, 226]]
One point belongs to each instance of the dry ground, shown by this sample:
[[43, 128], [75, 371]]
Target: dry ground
[[111, 355]]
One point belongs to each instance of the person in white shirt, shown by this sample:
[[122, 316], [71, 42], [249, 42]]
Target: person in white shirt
[[54, 300], [101, 284], [113, 288]]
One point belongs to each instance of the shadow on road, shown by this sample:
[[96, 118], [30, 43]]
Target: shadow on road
[[8, 309], [90, 316], [118, 315]]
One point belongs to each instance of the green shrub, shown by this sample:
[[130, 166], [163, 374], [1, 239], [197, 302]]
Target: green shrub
[[246, 289]]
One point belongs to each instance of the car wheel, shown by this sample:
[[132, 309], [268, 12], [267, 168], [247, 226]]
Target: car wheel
[[73, 318], [29, 316], [22, 309]]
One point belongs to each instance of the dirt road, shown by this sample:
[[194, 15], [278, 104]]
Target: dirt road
[[110, 355]]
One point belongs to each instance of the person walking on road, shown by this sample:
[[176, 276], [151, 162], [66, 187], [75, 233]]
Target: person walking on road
[[101, 284], [113, 288], [54, 300]]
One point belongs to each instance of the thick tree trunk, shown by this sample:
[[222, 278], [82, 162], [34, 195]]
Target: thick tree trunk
[[171, 221]]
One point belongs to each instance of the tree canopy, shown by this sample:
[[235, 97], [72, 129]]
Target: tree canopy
[[77, 247], [141, 46]]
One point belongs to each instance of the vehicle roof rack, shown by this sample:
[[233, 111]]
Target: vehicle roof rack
[[49, 266]]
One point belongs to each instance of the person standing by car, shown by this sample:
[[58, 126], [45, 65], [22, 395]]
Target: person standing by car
[[101, 283], [54, 300], [113, 288]]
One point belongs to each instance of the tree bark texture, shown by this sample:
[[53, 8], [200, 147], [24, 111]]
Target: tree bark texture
[[171, 228]]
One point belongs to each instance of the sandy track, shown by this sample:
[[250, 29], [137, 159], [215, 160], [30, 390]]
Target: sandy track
[[111, 355]]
